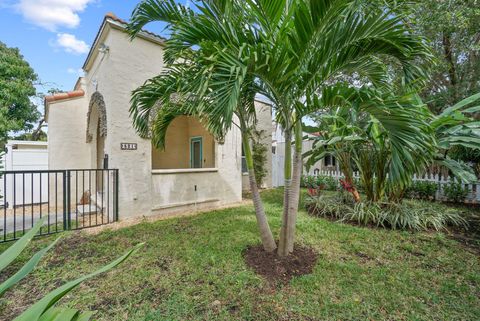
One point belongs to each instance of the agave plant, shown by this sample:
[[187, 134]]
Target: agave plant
[[45, 309]]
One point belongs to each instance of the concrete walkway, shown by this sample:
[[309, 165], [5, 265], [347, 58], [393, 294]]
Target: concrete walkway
[[17, 223]]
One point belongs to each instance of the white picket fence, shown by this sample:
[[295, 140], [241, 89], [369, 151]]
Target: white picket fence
[[472, 197]]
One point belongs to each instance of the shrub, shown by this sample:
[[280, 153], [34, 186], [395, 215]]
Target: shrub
[[319, 182], [408, 215], [455, 192], [328, 206], [423, 190], [331, 184]]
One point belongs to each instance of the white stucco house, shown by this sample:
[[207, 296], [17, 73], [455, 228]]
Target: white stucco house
[[92, 122]]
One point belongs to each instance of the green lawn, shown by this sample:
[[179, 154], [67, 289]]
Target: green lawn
[[192, 269]]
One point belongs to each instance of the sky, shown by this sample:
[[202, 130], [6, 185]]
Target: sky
[[54, 36]]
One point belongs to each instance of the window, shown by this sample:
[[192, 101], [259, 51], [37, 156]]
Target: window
[[329, 160], [196, 152]]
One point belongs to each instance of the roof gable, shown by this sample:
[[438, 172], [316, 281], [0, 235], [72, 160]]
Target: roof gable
[[112, 21]]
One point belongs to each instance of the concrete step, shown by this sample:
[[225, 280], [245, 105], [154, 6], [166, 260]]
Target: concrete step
[[88, 209], [98, 200]]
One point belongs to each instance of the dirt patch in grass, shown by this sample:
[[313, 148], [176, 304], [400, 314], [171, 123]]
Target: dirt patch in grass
[[468, 239], [280, 269]]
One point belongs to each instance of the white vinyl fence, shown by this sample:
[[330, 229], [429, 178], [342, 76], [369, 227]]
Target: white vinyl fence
[[23, 156], [472, 197], [278, 176]]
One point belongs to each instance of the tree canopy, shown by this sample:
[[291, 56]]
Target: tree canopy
[[453, 30], [17, 80]]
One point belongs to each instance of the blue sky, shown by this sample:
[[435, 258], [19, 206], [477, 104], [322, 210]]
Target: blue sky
[[54, 35]]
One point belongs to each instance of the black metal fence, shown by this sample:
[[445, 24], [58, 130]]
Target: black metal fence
[[70, 199]]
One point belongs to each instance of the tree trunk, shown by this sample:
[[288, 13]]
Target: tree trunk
[[286, 244], [346, 168], [448, 53], [265, 233], [286, 193]]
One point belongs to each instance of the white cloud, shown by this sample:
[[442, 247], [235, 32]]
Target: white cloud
[[51, 14], [76, 71], [71, 44]]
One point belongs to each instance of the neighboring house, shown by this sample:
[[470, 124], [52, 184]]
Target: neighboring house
[[90, 127], [329, 163], [23, 156]]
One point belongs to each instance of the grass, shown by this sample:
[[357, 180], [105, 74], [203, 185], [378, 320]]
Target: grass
[[192, 268]]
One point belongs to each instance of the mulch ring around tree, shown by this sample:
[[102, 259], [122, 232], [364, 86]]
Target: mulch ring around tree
[[280, 269]]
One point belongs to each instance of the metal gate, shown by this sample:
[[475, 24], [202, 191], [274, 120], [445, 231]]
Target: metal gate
[[70, 199]]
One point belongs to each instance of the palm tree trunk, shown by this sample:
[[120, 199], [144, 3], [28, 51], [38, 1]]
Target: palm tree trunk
[[346, 168], [287, 238], [282, 246], [265, 233]]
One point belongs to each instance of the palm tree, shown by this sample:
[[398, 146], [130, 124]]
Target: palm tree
[[286, 50], [314, 44], [388, 138], [457, 127]]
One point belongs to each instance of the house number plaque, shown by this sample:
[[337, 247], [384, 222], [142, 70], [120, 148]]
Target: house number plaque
[[128, 146]]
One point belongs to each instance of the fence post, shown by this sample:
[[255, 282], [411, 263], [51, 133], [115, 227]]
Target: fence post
[[477, 190], [64, 191], [116, 196], [69, 207]]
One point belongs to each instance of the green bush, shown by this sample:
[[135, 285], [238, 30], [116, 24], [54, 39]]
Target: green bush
[[408, 215], [331, 184], [455, 192], [422, 189], [329, 206], [319, 182]]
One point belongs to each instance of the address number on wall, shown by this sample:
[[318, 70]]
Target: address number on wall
[[128, 146]]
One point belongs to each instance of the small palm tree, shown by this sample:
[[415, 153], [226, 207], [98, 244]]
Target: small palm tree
[[388, 138]]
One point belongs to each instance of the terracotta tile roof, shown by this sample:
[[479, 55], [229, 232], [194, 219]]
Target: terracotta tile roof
[[65, 95], [112, 16]]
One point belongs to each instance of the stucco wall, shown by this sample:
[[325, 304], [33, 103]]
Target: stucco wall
[[185, 188], [115, 74], [67, 148]]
